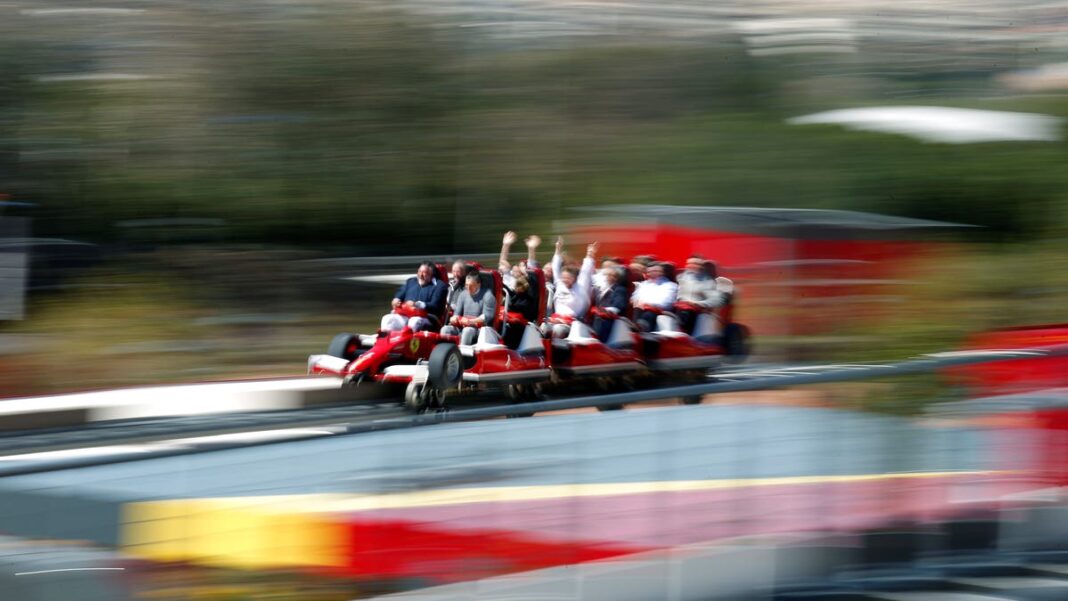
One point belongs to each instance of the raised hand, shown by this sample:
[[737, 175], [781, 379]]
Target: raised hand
[[591, 250], [559, 244], [509, 238], [533, 241]]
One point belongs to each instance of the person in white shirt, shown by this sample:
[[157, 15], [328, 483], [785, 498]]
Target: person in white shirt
[[697, 286], [571, 298], [654, 295]]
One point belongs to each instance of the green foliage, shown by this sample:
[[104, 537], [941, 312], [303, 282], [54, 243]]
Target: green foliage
[[331, 125]]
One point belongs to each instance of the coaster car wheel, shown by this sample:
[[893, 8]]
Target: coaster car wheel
[[345, 345], [445, 366]]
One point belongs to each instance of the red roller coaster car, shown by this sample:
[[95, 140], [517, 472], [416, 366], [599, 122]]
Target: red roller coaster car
[[512, 356]]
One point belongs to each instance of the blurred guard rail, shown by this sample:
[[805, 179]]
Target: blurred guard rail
[[293, 394], [79, 409]]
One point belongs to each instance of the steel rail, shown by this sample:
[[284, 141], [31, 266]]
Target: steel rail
[[375, 418]]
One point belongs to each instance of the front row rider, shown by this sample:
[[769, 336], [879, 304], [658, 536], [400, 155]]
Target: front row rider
[[423, 291], [473, 309]]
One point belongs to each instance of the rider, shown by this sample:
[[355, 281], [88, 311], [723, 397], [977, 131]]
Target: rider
[[607, 263], [572, 296], [637, 267], [423, 291], [655, 294], [611, 298], [696, 287], [459, 271], [474, 308]]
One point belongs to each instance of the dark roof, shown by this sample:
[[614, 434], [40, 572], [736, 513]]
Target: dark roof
[[787, 223]]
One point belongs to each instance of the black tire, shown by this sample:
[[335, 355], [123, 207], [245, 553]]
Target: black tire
[[445, 368], [736, 342], [345, 346], [415, 398]]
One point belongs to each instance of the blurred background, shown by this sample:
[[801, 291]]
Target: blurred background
[[201, 190], [174, 172]]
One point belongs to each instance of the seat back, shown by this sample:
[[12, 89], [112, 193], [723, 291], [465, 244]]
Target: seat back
[[532, 342], [667, 323], [621, 335], [706, 327], [536, 277], [488, 337], [580, 332]]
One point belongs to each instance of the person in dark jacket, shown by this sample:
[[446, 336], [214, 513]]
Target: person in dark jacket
[[423, 291], [522, 299], [612, 298]]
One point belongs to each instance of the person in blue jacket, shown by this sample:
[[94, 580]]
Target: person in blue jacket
[[424, 291], [611, 297]]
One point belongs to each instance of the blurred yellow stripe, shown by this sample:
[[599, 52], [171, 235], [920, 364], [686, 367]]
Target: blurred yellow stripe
[[309, 530], [231, 533]]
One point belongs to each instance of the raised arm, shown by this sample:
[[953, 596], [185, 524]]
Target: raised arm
[[585, 278], [558, 260], [506, 245], [533, 242]]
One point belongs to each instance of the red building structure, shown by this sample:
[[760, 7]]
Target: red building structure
[[800, 271]]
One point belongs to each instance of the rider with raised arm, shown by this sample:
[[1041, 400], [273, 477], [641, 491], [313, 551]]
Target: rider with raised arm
[[517, 280], [418, 303], [571, 299]]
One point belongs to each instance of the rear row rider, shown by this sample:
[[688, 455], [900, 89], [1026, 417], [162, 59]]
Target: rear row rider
[[697, 287]]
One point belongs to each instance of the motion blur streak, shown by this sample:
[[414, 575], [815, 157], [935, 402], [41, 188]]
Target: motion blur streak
[[196, 193]]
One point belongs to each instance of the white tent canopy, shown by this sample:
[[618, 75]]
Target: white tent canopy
[[943, 124]]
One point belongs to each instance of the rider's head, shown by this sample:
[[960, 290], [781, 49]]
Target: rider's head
[[459, 268], [638, 265], [473, 282], [522, 284], [695, 264], [568, 275], [425, 272]]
